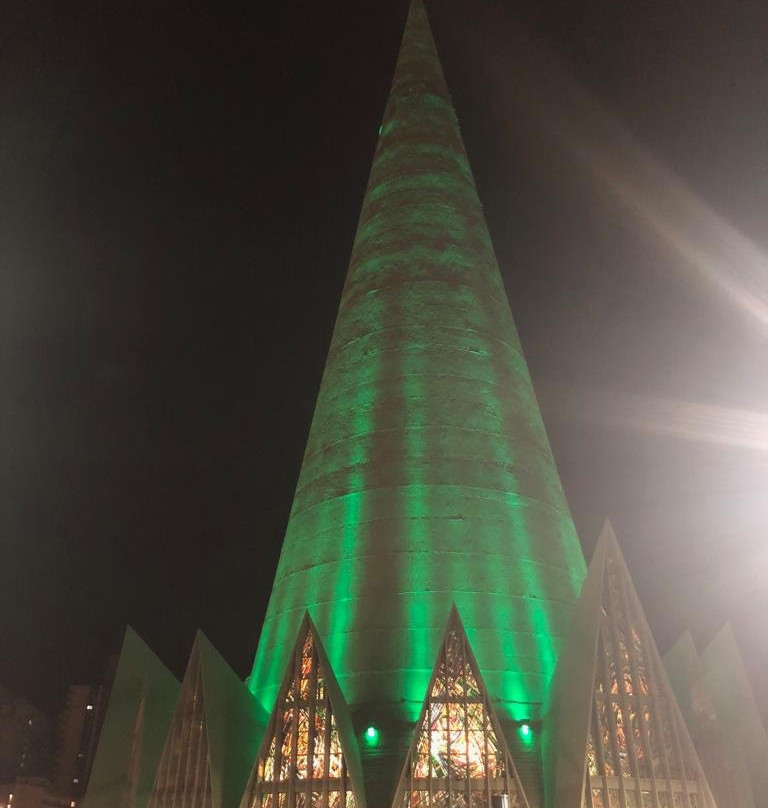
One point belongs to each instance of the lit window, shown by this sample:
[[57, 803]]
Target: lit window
[[88, 706], [458, 754], [634, 733], [304, 730]]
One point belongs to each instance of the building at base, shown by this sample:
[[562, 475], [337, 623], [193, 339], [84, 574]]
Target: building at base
[[433, 638]]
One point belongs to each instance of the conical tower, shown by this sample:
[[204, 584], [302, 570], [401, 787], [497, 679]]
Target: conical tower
[[428, 479]]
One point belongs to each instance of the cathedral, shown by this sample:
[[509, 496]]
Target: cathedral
[[434, 637]]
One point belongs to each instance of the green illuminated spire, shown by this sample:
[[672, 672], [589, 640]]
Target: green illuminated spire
[[428, 479]]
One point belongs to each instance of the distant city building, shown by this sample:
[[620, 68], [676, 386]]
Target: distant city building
[[30, 792], [25, 755], [25, 740], [78, 731], [47, 765], [434, 637]]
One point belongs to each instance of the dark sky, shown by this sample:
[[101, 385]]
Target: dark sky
[[179, 187]]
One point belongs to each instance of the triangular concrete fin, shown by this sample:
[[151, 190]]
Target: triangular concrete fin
[[723, 762], [309, 745], [636, 739], [681, 661], [139, 711], [184, 763], [678, 761], [458, 740], [728, 685], [213, 737], [235, 724], [568, 707]]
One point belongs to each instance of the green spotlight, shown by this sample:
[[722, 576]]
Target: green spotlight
[[525, 729], [371, 735]]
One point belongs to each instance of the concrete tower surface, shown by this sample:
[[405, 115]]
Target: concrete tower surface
[[428, 479]]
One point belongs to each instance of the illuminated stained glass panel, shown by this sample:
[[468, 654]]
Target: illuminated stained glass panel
[[302, 764], [183, 778], [638, 753], [458, 758]]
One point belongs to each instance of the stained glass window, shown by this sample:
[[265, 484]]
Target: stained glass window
[[183, 778], [638, 754], [302, 764], [458, 758]]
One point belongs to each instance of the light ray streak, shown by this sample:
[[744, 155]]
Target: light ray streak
[[685, 420], [542, 100]]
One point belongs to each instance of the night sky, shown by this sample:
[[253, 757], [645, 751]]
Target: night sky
[[179, 188]]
